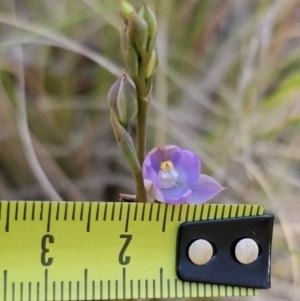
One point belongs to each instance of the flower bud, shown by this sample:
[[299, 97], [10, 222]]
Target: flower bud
[[123, 100], [152, 65], [126, 9], [147, 13], [125, 144], [129, 55], [138, 32]]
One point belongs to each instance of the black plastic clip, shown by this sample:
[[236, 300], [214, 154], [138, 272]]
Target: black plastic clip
[[223, 267]]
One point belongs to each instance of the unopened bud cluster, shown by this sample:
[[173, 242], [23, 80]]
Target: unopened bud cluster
[[138, 40]]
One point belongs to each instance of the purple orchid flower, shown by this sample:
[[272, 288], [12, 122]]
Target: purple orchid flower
[[173, 175]]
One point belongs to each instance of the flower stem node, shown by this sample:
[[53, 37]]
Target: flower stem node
[[123, 100], [173, 175]]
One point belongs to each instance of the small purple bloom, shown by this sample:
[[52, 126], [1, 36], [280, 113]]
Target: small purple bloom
[[173, 175]]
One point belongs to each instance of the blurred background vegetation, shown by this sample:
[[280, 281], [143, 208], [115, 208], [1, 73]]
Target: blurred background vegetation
[[227, 88]]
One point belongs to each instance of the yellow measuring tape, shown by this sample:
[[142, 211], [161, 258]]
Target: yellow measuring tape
[[89, 251]]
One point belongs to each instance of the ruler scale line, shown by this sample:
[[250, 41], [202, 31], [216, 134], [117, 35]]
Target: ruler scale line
[[46, 284], [57, 211], [29, 291], [33, 212], [70, 290], [81, 211], [124, 283], [66, 210], [165, 219], [16, 211], [108, 289], [4, 285], [21, 291], [49, 217], [127, 218], [7, 217], [62, 290], [93, 290], [88, 226], [85, 283], [161, 281], [113, 212], [74, 211], [143, 212], [131, 289], [77, 290], [54, 291], [139, 289], [25, 211], [38, 291], [13, 291], [146, 288]]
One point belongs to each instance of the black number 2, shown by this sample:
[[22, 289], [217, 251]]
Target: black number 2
[[50, 239], [124, 260]]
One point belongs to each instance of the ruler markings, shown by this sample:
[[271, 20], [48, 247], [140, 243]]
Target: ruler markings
[[143, 212], [66, 210], [25, 211], [13, 291], [5, 285], [158, 212], [77, 290], [81, 211], [74, 211], [88, 226], [223, 210], [33, 212], [93, 290], [121, 210], [57, 211], [16, 211], [179, 213], [188, 290], [161, 281], [116, 289], [131, 289], [70, 290], [127, 218], [0, 210], [49, 217], [21, 291], [208, 212], [150, 212], [97, 212], [146, 288], [113, 213], [105, 211], [182, 289], [41, 211], [165, 219], [194, 213], [108, 289], [46, 284], [139, 288], [85, 283], [172, 214], [216, 212], [187, 212], [101, 290], [251, 210], [54, 290], [135, 211], [62, 289], [197, 289], [175, 284], [7, 217], [38, 291]]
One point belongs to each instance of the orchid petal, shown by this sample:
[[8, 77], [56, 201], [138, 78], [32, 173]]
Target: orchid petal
[[176, 194], [187, 164], [205, 188]]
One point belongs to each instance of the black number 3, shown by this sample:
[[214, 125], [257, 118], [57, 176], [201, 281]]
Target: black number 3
[[50, 239]]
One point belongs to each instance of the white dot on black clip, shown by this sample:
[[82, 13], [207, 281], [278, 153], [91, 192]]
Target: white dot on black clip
[[246, 251], [200, 252]]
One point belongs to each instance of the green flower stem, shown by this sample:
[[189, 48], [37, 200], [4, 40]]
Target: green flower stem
[[140, 189]]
